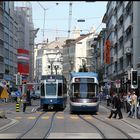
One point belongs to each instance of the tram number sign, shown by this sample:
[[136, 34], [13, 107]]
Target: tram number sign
[[117, 83]]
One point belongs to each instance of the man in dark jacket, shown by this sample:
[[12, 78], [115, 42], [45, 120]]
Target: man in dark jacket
[[113, 110], [118, 107]]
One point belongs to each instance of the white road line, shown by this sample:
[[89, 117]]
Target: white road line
[[74, 135], [7, 126]]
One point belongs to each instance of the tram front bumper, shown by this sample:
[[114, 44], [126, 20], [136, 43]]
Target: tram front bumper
[[94, 107]]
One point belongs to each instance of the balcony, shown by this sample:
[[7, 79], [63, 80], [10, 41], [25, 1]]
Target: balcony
[[114, 58], [127, 44], [120, 33], [127, 22], [120, 53], [120, 12], [126, 3], [114, 40]]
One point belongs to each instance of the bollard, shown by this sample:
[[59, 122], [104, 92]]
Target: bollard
[[17, 107]]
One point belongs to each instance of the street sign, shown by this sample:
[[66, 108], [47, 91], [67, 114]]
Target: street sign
[[117, 83], [17, 93]]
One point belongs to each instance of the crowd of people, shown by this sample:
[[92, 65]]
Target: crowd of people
[[129, 101]]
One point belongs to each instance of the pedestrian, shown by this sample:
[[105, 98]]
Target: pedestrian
[[113, 110], [133, 105], [108, 99], [138, 107], [118, 106], [24, 101], [128, 102]]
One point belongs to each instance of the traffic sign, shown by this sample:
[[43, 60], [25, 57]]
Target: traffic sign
[[117, 83], [17, 93]]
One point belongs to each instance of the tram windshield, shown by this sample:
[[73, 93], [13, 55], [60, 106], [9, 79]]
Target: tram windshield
[[84, 90], [51, 89]]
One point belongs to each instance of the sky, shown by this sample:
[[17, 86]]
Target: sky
[[57, 17]]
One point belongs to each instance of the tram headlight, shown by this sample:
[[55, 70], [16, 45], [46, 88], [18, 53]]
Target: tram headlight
[[84, 101]]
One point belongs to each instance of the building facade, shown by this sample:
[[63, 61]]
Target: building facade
[[122, 30], [49, 58], [77, 52], [26, 38], [8, 41]]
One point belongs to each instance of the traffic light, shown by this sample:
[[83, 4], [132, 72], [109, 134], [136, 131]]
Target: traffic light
[[18, 79], [134, 79]]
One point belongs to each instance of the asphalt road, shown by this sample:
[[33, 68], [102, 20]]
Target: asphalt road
[[63, 125]]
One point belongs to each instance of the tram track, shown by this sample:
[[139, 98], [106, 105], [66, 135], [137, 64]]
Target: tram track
[[51, 125], [27, 131], [123, 132], [34, 124], [126, 122], [93, 125]]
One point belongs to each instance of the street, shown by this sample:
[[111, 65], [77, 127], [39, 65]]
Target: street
[[39, 124]]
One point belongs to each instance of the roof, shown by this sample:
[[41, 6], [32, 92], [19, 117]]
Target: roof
[[82, 37]]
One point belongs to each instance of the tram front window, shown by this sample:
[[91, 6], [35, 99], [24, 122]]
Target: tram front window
[[51, 89], [84, 90]]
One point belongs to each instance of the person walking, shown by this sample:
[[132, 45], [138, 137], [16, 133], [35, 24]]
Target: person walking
[[118, 107], [108, 99], [113, 110], [24, 101], [128, 102], [133, 105]]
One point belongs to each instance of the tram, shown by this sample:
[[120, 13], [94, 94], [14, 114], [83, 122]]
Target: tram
[[83, 90], [53, 92]]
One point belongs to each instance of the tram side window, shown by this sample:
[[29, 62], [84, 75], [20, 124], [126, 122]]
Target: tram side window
[[42, 90], [59, 89], [76, 90], [91, 90]]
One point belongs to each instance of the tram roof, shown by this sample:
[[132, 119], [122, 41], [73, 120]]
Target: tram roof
[[77, 74]]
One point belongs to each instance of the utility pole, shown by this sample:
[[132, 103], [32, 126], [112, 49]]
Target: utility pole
[[70, 18], [44, 16]]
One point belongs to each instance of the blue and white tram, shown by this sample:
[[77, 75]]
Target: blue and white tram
[[53, 92], [83, 92]]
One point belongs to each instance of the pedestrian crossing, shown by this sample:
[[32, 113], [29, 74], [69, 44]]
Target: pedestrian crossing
[[59, 116]]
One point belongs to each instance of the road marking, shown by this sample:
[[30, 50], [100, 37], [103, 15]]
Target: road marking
[[75, 135], [50, 112], [45, 117], [9, 135], [74, 117], [31, 118], [135, 135], [88, 117], [39, 112], [18, 117], [7, 126], [60, 117], [34, 109]]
